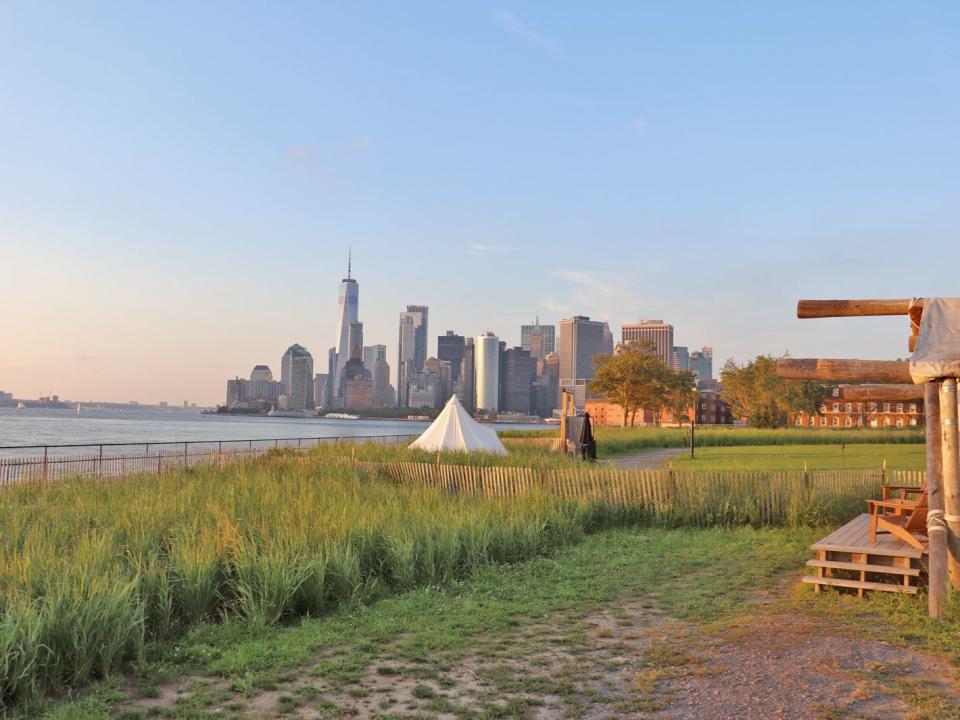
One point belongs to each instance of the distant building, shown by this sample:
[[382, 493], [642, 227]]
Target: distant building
[[486, 364], [297, 377], [654, 331], [262, 387], [412, 348], [701, 363], [450, 349], [466, 387], [431, 387], [581, 339], [681, 358], [517, 372], [837, 412], [348, 312], [237, 390], [538, 340], [545, 393], [6, 399], [320, 398], [710, 409]]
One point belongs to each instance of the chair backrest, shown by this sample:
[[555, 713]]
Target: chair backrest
[[917, 522]]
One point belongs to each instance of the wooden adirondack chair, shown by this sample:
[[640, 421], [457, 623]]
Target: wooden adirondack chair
[[901, 517]]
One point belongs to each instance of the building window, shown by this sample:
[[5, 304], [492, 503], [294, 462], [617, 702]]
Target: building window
[[899, 407], [913, 407], [887, 422], [836, 407], [848, 421], [813, 422], [913, 422], [836, 392], [823, 422], [900, 422], [836, 421], [848, 407], [799, 422], [886, 407], [873, 407]]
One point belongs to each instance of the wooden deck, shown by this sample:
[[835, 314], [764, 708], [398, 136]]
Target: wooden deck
[[847, 559]]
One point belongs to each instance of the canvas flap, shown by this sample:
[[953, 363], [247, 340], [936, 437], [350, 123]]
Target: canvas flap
[[937, 354]]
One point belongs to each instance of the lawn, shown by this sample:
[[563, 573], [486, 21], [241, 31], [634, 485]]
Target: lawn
[[793, 457]]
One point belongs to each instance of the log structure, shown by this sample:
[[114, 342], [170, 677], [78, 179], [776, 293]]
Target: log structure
[[941, 426]]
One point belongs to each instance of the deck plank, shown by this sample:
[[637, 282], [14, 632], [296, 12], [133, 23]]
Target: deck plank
[[885, 569], [854, 537], [839, 582]]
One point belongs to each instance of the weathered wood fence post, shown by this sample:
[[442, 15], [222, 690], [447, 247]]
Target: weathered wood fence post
[[936, 527], [951, 475]]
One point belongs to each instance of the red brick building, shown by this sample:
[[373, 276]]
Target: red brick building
[[710, 410], [837, 412]]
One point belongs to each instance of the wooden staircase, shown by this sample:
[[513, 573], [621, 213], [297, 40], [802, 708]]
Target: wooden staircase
[[847, 559]]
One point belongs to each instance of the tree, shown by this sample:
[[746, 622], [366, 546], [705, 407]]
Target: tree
[[754, 392], [636, 378], [682, 394]]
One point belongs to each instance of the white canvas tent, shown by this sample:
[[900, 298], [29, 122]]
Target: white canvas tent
[[455, 430]]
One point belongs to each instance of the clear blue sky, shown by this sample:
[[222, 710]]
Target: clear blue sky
[[179, 182]]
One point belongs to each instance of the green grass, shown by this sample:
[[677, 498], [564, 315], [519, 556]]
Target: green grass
[[697, 575], [793, 457], [613, 441]]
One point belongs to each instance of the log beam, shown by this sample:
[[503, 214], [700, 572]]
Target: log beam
[[950, 454], [879, 371], [807, 309], [888, 393]]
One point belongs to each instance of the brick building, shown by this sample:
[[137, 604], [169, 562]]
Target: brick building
[[837, 412], [711, 409]]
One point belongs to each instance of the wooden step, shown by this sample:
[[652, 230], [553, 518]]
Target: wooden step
[[861, 567], [858, 585]]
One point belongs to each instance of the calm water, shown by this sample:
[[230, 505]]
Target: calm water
[[37, 426]]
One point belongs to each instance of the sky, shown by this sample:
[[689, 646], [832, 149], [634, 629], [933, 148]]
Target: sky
[[180, 182]]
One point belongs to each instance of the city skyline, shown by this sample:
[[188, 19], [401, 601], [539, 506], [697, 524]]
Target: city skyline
[[170, 219]]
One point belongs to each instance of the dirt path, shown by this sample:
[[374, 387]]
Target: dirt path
[[629, 661], [647, 459]]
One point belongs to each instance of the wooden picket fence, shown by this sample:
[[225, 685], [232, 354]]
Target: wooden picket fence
[[696, 497]]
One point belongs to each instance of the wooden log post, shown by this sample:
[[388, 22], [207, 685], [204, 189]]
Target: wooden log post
[[905, 392], [936, 527], [951, 475], [881, 371]]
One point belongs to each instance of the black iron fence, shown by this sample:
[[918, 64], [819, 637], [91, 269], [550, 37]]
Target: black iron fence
[[47, 463]]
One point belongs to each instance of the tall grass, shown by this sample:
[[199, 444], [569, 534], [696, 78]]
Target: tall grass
[[92, 573]]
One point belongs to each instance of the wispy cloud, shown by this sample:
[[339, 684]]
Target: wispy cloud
[[302, 156], [481, 249], [516, 26], [360, 145], [600, 295], [557, 307]]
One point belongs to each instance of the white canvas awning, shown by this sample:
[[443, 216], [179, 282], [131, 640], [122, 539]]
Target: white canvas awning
[[455, 430], [937, 354]]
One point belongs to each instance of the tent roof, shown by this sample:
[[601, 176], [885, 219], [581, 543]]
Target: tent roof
[[455, 430]]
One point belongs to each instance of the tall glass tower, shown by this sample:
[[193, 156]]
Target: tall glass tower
[[348, 312]]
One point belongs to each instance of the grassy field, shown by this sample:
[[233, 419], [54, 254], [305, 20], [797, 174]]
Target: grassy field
[[100, 576], [793, 457], [491, 622], [613, 441]]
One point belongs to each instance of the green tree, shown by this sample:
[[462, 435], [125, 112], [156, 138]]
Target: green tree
[[636, 378], [754, 392]]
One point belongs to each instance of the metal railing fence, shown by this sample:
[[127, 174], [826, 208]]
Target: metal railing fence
[[48, 463]]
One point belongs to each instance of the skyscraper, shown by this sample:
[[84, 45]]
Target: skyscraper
[[466, 387], [296, 374], [538, 340], [701, 363], [450, 348], [580, 340], [518, 369], [487, 371], [412, 348], [355, 340], [681, 358], [655, 331], [348, 312]]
